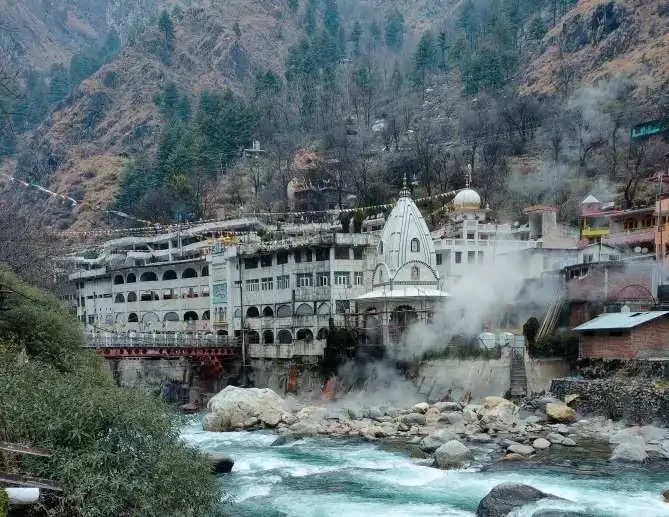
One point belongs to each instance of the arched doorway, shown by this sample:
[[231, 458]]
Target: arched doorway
[[305, 335], [268, 337], [285, 337]]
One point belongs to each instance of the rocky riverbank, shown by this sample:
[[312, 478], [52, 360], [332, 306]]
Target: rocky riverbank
[[450, 432]]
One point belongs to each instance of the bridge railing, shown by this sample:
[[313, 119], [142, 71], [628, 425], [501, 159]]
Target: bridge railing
[[151, 339]]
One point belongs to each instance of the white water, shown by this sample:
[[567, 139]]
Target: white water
[[330, 478]]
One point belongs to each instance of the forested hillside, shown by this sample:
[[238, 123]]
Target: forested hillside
[[536, 96]]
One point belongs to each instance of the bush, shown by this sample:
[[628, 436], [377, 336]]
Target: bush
[[464, 351], [562, 343], [115, 451]]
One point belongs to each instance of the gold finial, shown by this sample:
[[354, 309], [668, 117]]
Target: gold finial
[[405, 192]]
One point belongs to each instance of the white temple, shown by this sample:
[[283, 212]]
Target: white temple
[[406, 284]]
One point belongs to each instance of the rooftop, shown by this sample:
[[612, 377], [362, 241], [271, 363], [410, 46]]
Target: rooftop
[[620, 320]]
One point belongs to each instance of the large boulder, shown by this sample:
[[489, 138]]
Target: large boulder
[[452, 454], [499, 414], [541, 443], [506, 497], [560, 412], [519, 448], [632, 450], [240, 408]]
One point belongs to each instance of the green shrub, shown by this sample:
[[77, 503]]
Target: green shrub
[[4, 502], [115, 451], [562, 343]]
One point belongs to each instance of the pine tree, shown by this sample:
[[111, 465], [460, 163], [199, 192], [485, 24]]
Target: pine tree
[[424, 58], [166, 26], [331, 17], [356, 33], [394, 30]]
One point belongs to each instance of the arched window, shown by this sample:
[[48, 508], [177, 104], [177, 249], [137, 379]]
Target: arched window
[[170, 275], [415, 273], [132, 318], [190, 316], [305, 335], [171, 316], [268, 337], [252, 312], [380, 247], [267, 312], [189, 273], [150, 317], [285, 337], [206, 315], [148, 276], [205, 271], [132, 296], [415, 245], [322, 333], [119, 298], [304, 309], [324, 309], [238, 313], [283, 312], [131, 278], [253, 337], [118, 279]]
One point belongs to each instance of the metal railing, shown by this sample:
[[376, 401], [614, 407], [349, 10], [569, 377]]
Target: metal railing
[[154, 339]]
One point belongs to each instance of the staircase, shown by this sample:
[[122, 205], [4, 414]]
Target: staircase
[[518, 376]]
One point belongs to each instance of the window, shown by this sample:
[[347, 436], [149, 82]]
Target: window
[[282, 282], [322, 254], [357, 253], [587, 259], [322, 279], [189, 292], [250, 263], [119, 298], [415, 245], [480, 257], [438, 259], [205, 271], [266, 261], [470, 236], [130, 279], [415, 273], [381, 248], [267, 284], [471, 257], [458, 257], [148, 276], [132, 297], [118, 279], [304, 280], [204, 291], [614, 258], [282, 258], [253, 285], [357, 278], [91, 320], [342, 278], [483, 236], [341, 253], [169, 275], [132, 318], [308, 255], [298, 256]]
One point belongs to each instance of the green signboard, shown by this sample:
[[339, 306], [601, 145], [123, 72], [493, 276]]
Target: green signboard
[[648, 129], [220, 293]]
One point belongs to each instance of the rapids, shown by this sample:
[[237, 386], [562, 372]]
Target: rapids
[[320, 477]]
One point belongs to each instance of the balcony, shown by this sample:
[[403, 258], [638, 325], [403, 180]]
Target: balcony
[[592, 232], [630, 237]]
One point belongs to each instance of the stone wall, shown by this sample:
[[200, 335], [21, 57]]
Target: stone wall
[[483, 377], [633, 399]]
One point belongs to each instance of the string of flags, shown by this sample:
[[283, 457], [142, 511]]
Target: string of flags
[[150, 226]]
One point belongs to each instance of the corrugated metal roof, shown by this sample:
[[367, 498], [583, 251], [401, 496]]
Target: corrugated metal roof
[[620, 320]]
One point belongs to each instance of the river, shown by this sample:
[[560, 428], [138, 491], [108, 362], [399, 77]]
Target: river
[[320, 477]]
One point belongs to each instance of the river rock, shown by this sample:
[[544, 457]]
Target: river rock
[[568, 399], [354, 413], [506, 497], [413, 419], [303, 428], [421, 407], [452, 417], [284, 439], [665, 494], [541, 443], [313, 413], [480, 438], [471, 413], [235, 408], [562, 429], [560, 412], [632, 450], [513, 456], [435, 440], [518, 448], [555, 438], [568, 442], [448, 406], [220, 463], [452, 454]]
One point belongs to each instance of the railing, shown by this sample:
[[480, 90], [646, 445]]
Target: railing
[[150, 339]]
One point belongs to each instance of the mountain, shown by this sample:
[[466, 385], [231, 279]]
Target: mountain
[[433, 80]]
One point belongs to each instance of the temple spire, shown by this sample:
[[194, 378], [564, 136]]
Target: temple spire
[[405, 192]]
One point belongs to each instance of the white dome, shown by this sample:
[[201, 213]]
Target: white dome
[[467, 198]]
